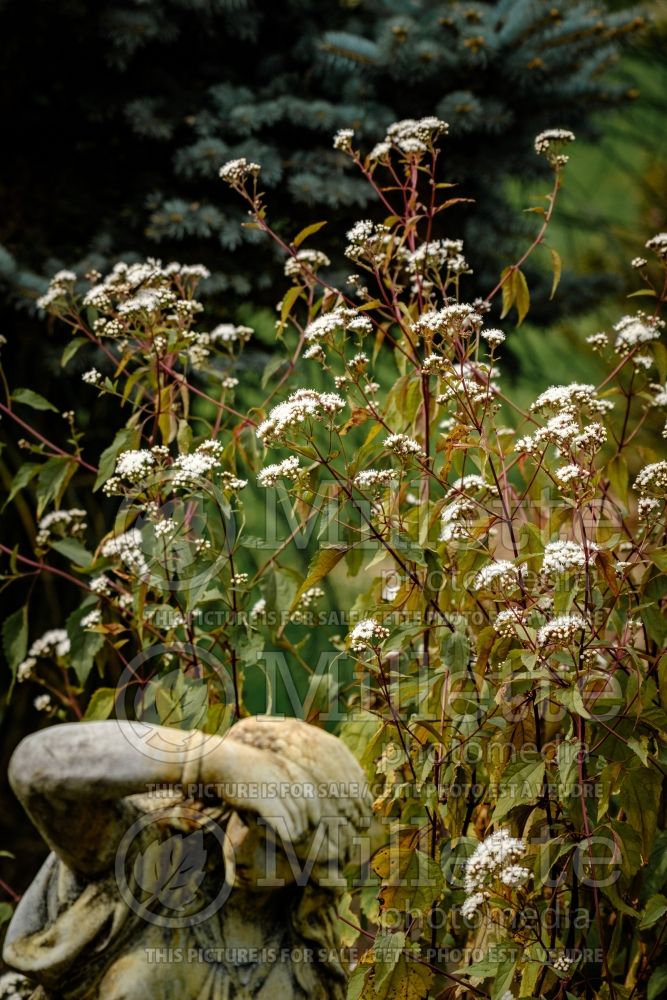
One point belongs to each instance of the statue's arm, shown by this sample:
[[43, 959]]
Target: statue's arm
[[71, 780]]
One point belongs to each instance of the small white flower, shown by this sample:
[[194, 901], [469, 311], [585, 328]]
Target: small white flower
[[91, 377], [343, 139], [561, 630], [365, 633], [238, 171], [658, 244], [289, 468], [42, 702], [93, 618]]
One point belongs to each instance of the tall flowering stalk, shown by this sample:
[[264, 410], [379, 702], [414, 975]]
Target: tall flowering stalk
[[500, 662]]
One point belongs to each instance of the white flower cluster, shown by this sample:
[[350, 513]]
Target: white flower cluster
[[306, 602], [459, 319], [499, 575], [562, 962], [470, 484], [456, 519], [631, 331], [658, 244], [91, 377], [550, 142], [367, 632], [652, 479], [340, 318], [54, 643], [493, 337], [375, 479], [571, 473], [228, 333], [435, 255], [561, 630], [128, 548], [660, 397], [304, 262], [287, 469], [70, 523], [302, 405], [101, 585], [416, 136], [571, 398], [343, 139], [93, 618], [368, 241], [598, 341], [238, 171], [507, 621], [495, 859], [404, 446], [188, 469], [60, 287], [135, 465], [564, 431], [42, 702], [565, 557]]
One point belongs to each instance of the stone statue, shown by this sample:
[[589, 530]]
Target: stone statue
[[186, 865]]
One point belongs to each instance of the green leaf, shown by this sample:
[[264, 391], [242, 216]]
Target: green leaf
[[24, 476], [102, 703], [557, 267], [640, 796], [521, 296], [657, 984], [508, 291], [566, 755], [521, 784], [387, 950], [289, 298], [653, 911], [642, 293], [52, 482], [84, 644], [15, 637], [408, 980], [33, 399], [6, 913], [71, 350], [73, 550], [123, 441], [305, 233], [320, 566]]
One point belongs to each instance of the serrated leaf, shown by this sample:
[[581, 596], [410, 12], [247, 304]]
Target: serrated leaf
[[410, 879], [32, 399], [320, 566], [654, 910], [308, 231]]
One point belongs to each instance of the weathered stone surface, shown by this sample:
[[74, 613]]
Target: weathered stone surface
[[186, 865]]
